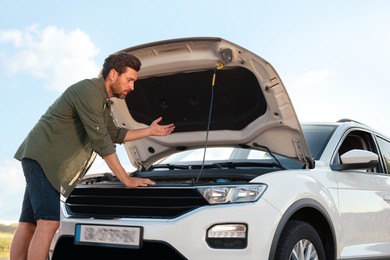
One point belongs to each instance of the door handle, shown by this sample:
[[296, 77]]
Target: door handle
[[386, 198]]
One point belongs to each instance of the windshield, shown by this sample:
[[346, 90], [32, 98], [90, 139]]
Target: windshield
[[227, 157], [317, 136], [217, 153]]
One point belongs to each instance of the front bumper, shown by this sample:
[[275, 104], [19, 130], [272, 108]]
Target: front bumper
[[185, 236]]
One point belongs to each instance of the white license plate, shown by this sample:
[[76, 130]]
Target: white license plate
[[114, 236]]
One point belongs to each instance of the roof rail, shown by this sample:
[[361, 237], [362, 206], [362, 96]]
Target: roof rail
[[344, 120]]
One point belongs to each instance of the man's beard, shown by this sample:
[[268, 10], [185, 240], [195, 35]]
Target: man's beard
[[116, 93], [120, 95]]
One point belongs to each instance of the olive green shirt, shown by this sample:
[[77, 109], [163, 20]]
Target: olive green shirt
[[75, 127]]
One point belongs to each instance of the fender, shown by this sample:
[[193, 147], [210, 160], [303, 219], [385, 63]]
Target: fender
[[296, 206]]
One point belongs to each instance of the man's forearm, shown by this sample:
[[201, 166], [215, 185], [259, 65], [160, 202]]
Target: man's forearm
[[137, 134], [116, 167]]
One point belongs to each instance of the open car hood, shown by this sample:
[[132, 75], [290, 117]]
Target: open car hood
[[193, 81]]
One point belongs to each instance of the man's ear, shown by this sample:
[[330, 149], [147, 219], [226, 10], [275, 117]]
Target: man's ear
[[112, 74]]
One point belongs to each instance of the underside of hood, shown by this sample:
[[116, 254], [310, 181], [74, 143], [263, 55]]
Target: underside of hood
[[214, 91]]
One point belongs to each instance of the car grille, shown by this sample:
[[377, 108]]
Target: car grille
[[146, 202]]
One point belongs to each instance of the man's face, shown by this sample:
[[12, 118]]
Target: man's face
[[124, 83]]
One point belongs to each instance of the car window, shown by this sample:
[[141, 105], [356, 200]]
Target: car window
[[357, 140]]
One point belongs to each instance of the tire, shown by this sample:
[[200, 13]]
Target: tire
[[299, 241]]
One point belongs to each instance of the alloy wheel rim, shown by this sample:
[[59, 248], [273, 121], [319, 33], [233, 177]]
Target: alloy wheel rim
[[304, 250]]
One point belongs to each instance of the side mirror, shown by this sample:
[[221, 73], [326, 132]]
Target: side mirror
[[356, 159]]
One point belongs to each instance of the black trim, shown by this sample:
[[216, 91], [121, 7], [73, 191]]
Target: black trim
[[354, 166], [107, 202], [300, 204]]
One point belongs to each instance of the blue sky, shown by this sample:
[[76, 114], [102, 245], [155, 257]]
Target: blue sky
[[332, 56]]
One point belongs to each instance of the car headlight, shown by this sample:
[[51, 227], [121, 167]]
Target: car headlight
[[222, 194]]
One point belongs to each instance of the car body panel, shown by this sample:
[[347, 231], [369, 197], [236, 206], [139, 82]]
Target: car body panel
[[364, 212]]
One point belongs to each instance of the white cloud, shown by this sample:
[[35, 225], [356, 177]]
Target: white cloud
[[58, 57], [12, 184], [13, 36]]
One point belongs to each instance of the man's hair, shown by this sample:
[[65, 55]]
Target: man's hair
[[119, 62]]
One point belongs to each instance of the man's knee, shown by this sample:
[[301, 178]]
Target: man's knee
[[48, 225], [27, 227]]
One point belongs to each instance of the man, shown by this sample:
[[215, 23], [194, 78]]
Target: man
[[61, 146]]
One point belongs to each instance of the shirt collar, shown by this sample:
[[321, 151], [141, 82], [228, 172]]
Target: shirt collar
[[106, 100]]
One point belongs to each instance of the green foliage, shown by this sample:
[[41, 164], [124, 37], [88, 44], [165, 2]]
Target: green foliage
[[8, 228], [6, 232], [5, 244]]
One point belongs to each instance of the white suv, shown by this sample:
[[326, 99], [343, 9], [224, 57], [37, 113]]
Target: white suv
[[240, 178]]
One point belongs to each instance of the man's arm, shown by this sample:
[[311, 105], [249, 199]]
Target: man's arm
[[153, 130], [116, 167]]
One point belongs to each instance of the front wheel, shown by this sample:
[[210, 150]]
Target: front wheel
[[299, 241]]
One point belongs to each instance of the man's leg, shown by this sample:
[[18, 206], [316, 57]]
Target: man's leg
[[21, 241], [43, 208], [40, 243], [25, 230]]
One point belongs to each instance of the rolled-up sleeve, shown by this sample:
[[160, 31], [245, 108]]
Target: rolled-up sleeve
[[117, 134]]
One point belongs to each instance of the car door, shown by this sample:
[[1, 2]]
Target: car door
[[364, 202]]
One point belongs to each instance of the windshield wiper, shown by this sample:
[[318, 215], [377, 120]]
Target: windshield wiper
[[170, 166], [220, 165], [235, 165]]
